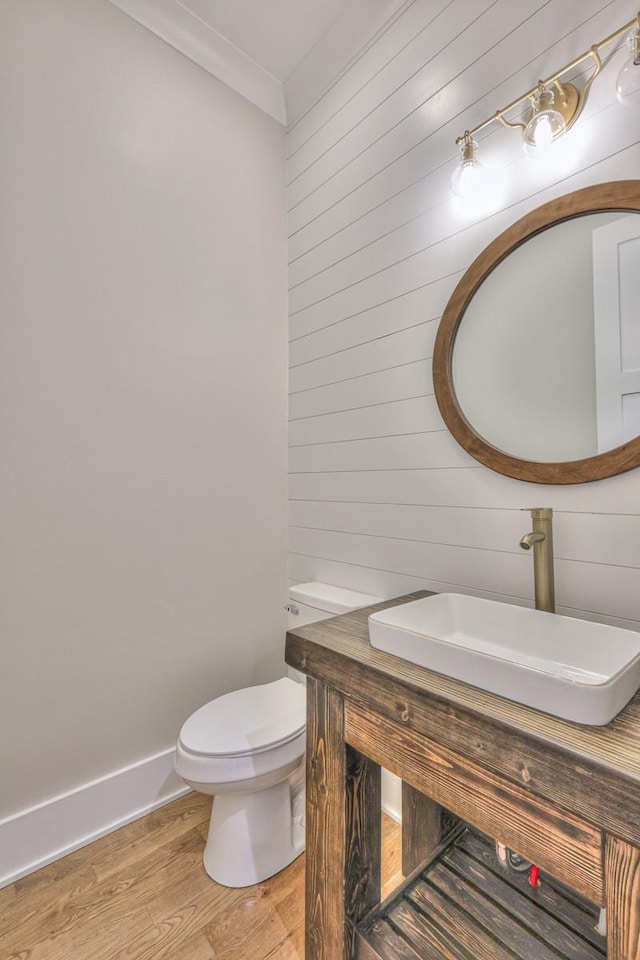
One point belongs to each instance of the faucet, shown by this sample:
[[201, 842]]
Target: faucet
[[541, 539]]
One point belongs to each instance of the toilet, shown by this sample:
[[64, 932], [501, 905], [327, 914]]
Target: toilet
[[246, 749]]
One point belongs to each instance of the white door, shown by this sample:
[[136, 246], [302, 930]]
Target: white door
[[616, 295]]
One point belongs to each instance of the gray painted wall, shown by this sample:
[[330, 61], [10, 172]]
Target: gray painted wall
[[143, 425]]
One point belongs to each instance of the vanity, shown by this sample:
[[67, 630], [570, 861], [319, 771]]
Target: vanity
[[563, 795]]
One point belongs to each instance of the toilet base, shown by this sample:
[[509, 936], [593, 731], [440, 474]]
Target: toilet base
[[252, 836]]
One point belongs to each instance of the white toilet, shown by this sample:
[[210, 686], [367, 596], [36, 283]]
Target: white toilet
[[246, 749]]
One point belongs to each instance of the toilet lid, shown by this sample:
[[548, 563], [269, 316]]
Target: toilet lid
[[247, 721]]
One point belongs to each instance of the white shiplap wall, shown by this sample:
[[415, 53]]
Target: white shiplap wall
[[382, 499]]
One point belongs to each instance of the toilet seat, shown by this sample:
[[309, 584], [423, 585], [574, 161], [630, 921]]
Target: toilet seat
[[247, 736], [246, 722]]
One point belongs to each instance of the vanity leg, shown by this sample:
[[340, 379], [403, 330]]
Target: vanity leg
[[421, 827], [342, 830], [622, 890]]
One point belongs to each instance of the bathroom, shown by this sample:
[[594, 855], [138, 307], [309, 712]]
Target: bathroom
[[164, 388]]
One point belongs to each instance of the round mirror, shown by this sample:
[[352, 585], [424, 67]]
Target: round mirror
[[537, 358]]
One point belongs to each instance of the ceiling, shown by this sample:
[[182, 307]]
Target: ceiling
[[277, 34]]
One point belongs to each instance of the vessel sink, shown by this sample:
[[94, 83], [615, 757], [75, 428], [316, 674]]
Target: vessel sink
[[574, 669]]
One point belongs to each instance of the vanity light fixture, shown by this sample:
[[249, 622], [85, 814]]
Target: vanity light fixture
[[555, 106]]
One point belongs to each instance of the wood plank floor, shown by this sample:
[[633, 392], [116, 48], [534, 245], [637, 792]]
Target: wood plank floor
[[141, 893]]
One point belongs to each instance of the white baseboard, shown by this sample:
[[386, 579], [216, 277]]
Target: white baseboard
[[38, 835], [392, 795]]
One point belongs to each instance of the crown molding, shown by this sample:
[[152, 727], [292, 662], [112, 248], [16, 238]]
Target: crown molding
[[191, 36]]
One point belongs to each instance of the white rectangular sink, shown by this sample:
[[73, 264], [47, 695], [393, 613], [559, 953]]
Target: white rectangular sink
[[575, 669]]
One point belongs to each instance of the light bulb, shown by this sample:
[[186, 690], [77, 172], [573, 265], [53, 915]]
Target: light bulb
[[467, 179], [628, 80], [543, 133], [470, 176], [476, 187], [545, 125]]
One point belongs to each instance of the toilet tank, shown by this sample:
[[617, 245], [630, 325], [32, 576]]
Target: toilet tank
[[309, 602]]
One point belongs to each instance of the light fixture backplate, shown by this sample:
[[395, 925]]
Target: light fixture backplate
[[566, 100]]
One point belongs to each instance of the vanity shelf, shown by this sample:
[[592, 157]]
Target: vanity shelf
[[461, 905]]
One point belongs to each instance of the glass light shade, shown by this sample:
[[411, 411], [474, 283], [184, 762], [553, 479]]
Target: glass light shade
[[475, 187], [477, 190], [467, 179], [628, 80], [470, 180], [545, 125]]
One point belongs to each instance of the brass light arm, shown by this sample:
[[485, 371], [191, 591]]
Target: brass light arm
[[576, 98], [595, 53], [508, 123]]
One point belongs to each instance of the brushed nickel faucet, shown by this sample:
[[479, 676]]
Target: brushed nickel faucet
[[541, 539]]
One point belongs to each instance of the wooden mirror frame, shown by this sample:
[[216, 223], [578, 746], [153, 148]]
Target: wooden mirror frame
[[623, 195]]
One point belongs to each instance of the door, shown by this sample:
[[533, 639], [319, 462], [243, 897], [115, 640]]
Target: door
[[616, 289]]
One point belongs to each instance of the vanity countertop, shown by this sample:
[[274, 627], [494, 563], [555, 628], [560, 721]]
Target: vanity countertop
[[594, 771]]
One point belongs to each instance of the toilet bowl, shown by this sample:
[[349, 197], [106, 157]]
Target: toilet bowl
[[246, 749]]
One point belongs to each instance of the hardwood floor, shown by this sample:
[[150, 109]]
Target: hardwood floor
[[141, 893]]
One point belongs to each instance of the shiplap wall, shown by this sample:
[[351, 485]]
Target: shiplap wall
[[382, 499]]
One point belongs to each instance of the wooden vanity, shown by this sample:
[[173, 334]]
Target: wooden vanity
[[565, 796]]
